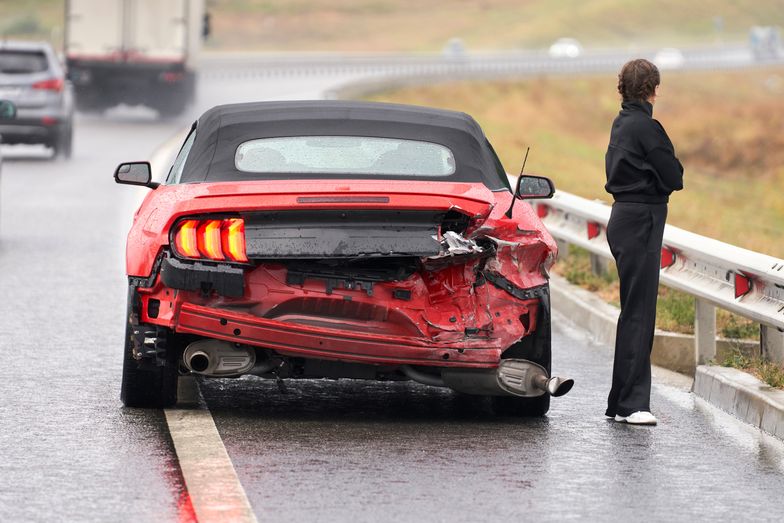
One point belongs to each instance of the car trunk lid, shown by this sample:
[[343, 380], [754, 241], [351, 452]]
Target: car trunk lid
[[332, 233], [355, 218]]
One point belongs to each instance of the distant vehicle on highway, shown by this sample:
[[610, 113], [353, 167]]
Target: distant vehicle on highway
[[565, 48], [669, 58], [454, 49], [339, 240], [7, 112], [31, 77], [765, 43], [135, 52]]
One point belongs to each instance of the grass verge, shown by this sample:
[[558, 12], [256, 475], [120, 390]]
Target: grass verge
[[770, 373]]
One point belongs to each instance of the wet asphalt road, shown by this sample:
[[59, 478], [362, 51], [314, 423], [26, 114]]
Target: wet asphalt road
[[327, 451], [400, 452]]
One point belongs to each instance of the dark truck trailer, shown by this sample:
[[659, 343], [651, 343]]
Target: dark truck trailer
[[134, 52]]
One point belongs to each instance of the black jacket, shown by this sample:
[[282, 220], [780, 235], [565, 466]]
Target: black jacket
[[640, 162]]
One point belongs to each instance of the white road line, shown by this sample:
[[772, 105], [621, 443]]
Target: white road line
[[214, 489]]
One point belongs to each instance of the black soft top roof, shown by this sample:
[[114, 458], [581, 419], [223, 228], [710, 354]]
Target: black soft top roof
[[222, 129]]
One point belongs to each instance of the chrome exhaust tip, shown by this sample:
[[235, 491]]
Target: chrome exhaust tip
[[199, 361], [556, 386], [526, 378]]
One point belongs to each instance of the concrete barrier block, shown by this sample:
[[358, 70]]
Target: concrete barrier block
[[754, 414], [727, 394], [779, 433], [743, 396], [740, 406], [769, 419], [714, 390], [674, 351]]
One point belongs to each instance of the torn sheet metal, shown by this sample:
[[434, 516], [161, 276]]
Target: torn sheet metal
[[454, 244]]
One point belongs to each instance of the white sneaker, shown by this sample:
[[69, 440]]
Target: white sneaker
[[637, 418]]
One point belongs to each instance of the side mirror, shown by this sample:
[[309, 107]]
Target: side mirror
[[135, 173], [533, 187], [7, 110]]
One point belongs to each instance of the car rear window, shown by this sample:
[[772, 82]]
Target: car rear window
[[22, 62], [344, 154]]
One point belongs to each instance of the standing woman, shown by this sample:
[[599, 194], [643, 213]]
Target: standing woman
[[642, 171]]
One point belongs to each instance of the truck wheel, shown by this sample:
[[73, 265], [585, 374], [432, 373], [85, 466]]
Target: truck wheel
[[144, 383], [173, 107], [88, 104]]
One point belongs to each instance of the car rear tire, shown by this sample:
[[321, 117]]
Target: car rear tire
[[536, 347], [63, 145], [525, 407], [145, 384]]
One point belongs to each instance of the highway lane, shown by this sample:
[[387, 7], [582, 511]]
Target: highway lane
[[68, 447], [330, 450]]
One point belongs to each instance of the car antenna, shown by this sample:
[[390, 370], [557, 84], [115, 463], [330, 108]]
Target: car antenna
[[517, 187]]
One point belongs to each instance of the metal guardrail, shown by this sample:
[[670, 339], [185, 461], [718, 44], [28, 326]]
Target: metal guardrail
[[468, 64], [716, 273]]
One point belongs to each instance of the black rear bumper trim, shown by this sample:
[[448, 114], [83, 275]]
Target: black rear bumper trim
[[194, 276]]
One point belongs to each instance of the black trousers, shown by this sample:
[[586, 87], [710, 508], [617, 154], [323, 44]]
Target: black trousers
[[635, 234]]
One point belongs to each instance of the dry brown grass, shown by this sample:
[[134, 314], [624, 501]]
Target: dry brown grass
[[728, 129], [414, 25]]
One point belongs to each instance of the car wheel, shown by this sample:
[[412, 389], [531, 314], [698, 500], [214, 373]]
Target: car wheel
[[63, 145], [537, 348], [146, 384], [526, 407]]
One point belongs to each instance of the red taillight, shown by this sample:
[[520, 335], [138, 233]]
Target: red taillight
[[185, 239], [171, 77], [209, 240], [542, 210], [233, 239], [216, 240], [52, 84]]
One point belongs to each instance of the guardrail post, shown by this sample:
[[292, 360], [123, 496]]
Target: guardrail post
[[772, 344], [704, 331], [599, 265]]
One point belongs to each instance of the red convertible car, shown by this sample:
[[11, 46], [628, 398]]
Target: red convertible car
[[339, 240]]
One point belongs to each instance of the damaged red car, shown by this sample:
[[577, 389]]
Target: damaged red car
[[324, 239]]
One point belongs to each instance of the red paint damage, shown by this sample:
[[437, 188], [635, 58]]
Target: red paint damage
[[453, 314]]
